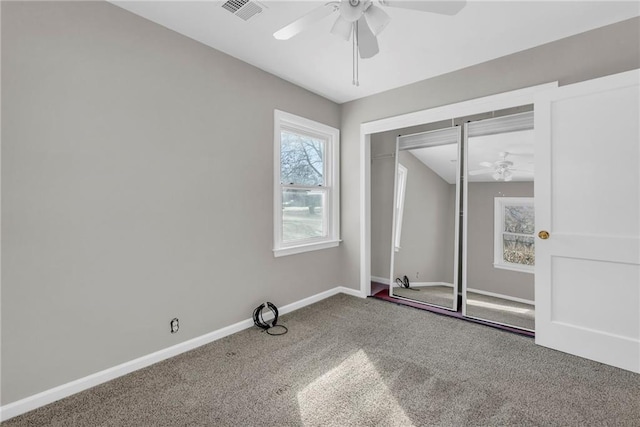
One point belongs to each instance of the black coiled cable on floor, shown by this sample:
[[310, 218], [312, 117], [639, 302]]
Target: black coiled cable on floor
[[259, 321], [404, 283]]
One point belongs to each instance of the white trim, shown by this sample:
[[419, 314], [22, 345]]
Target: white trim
[[331, 187], [507, 297], [48, 396], [343, 290], [0, 222], [499, 101], [305, 248], [448, 285], [478, 105], [384, 281], [465, 200], [457, 230], [394, 217], [416, 284], [516, 267]]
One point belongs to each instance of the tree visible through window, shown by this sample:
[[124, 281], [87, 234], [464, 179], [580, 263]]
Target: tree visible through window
[[302, 165], [306, 216], [301, 159], [514, 244]]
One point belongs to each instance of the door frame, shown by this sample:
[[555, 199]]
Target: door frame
[[465, 108]]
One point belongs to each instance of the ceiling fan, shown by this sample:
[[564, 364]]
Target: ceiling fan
[[502, 170], [364, 19]]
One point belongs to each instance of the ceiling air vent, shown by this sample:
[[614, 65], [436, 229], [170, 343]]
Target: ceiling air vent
[[244, 9]]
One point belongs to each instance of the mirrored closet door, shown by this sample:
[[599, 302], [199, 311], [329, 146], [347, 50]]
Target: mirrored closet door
[[424, 253], [483, 172], [498, 232]]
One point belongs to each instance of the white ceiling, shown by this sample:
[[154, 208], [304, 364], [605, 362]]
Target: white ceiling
[[442, 158], [413, 47]]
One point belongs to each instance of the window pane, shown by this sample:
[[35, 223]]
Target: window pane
[[519, 219], [303, 214], [518, 249], [301, 159]]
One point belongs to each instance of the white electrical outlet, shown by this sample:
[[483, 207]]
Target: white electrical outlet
[[175, 325]]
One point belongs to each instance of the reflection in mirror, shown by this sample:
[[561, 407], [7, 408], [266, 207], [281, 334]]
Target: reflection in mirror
[[499, 269], [424, 245]]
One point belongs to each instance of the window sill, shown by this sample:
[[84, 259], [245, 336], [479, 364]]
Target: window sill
[[518, 268], [292, 250]]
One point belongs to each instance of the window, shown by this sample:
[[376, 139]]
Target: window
[[514, 244], [402, 185], [306, 196]]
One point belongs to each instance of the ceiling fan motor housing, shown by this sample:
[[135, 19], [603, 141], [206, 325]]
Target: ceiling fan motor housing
[[352, 10]]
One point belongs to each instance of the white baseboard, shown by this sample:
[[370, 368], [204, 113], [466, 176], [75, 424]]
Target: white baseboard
[[49, 396], [507, 297], [449, 285], [424, 284], [384, 281]]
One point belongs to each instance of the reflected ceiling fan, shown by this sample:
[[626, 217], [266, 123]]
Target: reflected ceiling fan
[[502, 170], [363, 20]]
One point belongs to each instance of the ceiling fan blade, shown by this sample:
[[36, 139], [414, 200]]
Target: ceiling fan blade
[[376, 18], [305, 21], [367, 42], [442, 7], [521, 170], [486, 164], [342, 28], [481, 171]]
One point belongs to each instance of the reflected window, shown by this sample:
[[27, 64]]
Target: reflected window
[[514, 242], [402, 186]]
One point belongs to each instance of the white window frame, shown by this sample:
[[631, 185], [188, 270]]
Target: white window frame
[[498, 232], [402, 188], [331, 212]]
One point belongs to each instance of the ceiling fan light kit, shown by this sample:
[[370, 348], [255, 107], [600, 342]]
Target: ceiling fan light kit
[[365, 20], [503, 175], [502, 170]]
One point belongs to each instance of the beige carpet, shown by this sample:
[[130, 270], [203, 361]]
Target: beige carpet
[[437, 295], [479, 306], [360, 362], [501, 310]]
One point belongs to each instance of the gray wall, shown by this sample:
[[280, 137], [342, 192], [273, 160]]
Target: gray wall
[[428, 225], [136, 168], [428, 233], [608, 50], [137, 187], [481, 274]]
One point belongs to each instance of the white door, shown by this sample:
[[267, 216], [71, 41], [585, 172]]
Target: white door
[[587, 198]]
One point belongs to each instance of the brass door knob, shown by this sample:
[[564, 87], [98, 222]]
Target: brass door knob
[[544, 235]]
